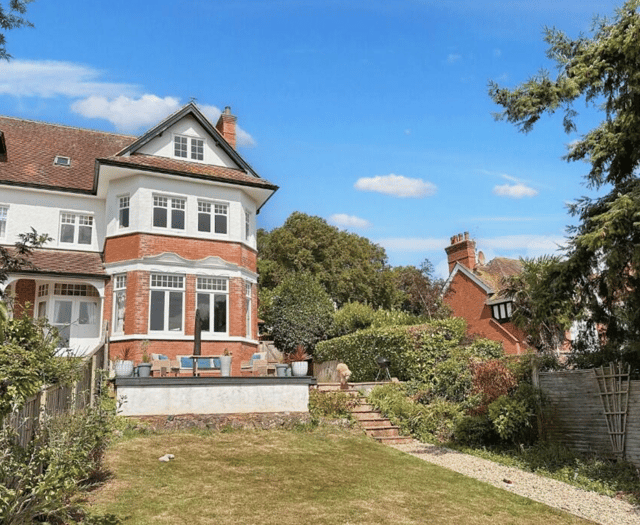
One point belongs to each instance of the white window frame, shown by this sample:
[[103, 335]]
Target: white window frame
[[188, 148], [171, 205], [119, 297], [214, 209], [213, 287], [124, 203], [77, 220], [166, 284], [4, 220], [247, 225], [502, 312]]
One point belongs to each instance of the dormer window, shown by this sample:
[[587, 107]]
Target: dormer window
[[62, 161], [501, 312], [188, 147]]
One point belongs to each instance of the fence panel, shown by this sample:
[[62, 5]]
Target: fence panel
[[58, 399], [573, 413]]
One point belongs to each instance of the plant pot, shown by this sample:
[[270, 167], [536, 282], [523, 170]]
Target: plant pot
[[123, 368], [300, 368], [281, 370], [225, 365], [144, 370]]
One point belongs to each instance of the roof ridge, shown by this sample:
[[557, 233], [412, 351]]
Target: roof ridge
[[67, 126]]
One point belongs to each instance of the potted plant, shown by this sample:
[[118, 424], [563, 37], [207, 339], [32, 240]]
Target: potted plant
[[299, 361], [144, 368], [225, 363], [123, 365]]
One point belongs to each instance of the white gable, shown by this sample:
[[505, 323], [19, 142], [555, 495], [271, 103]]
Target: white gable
[[163, 144]]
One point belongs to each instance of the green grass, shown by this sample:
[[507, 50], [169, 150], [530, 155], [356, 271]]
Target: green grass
[[290, 477]]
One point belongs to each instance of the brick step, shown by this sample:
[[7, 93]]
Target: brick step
[[363, 407], [382, 431], [394, 440], [376, 423], [335, 387]]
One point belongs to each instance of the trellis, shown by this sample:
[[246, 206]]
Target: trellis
[[613, 383]]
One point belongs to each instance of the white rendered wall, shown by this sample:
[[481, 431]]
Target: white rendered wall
[[162, 146], [209, 399], [142, 188], [41, 210]]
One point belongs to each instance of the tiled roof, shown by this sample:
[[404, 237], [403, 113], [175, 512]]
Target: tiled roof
[[493, 272], [66, 262], [32, 147], [193, 169]]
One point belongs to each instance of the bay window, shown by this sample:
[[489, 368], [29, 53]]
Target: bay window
[[212, 301], [166, 304]]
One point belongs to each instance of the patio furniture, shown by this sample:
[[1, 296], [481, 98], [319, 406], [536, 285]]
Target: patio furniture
[[162, 366]]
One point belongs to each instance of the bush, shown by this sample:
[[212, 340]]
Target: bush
[[351, 318], [331, 404], [514, 417], [301, 313], [38, 482], [475, 431], [491, 380], [383, 318]]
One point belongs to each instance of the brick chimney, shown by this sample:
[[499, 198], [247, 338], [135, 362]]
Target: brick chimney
[[461, 250], [227, 126]]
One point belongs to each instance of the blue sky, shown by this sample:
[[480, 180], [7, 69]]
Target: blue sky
[[371, 114]]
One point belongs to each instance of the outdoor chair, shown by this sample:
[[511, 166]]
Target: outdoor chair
[[162, 366]]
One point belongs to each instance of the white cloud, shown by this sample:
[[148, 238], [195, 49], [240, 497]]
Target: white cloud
[[529, 245], [396, 185], [49, 78], [452, 58], [126, 113], [124, 105], [514, 191], [348, 221]]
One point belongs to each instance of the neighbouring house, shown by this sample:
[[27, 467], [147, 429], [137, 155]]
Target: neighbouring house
[[473, 291], [145, 230]]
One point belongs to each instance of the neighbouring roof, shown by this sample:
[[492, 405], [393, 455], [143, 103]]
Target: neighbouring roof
[[496, 269], [65, 262], [31, 148]]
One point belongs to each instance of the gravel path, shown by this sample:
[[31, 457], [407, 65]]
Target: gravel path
[[588, 505]]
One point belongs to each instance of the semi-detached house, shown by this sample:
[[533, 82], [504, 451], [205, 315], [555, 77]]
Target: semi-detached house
[[145, 230]]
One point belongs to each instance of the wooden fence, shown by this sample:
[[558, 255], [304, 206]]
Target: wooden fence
[[573, 414], [54, 400]]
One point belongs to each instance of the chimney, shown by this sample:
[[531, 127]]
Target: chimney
[[461, 250], [227, 126]]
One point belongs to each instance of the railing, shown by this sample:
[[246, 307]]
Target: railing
[[55, 400]]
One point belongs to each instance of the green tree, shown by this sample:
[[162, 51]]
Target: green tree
[[350, 267], [600, 273], [12, 18], [540, 310], [421, 292], [301, 313]]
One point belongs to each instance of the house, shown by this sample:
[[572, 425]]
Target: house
[[145, 230], [472, 290]]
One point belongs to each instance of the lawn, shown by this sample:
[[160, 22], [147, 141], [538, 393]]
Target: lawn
[[290, 477]]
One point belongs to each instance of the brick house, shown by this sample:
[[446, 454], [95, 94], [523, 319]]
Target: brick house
[[145, 230], [472, 290]]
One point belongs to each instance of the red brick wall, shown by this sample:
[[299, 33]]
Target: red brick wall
[[25, 296], [467, 300], [137, 245], [240, 351]]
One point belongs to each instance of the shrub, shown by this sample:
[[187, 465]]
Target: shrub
[[351, 318], [38, 482], [475, 430], [383, 318], [301, 313], [331, 404], [491, 380], [514, 417]]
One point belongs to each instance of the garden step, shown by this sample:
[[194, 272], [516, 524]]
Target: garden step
[[367, 416], [363, 407], [377, 426], [375, 423], [382, 431], [395, 440]]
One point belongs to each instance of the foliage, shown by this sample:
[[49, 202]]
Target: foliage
[[39, 482], [395, 318], [331, 404], [351, 268], [352, 317], [420, 291], [414, 351], [28, 360], [537, 309], [491, 380], [600, 273], [301, 313], [435, 421], [16, 258], [512, 418], [12, 18]]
